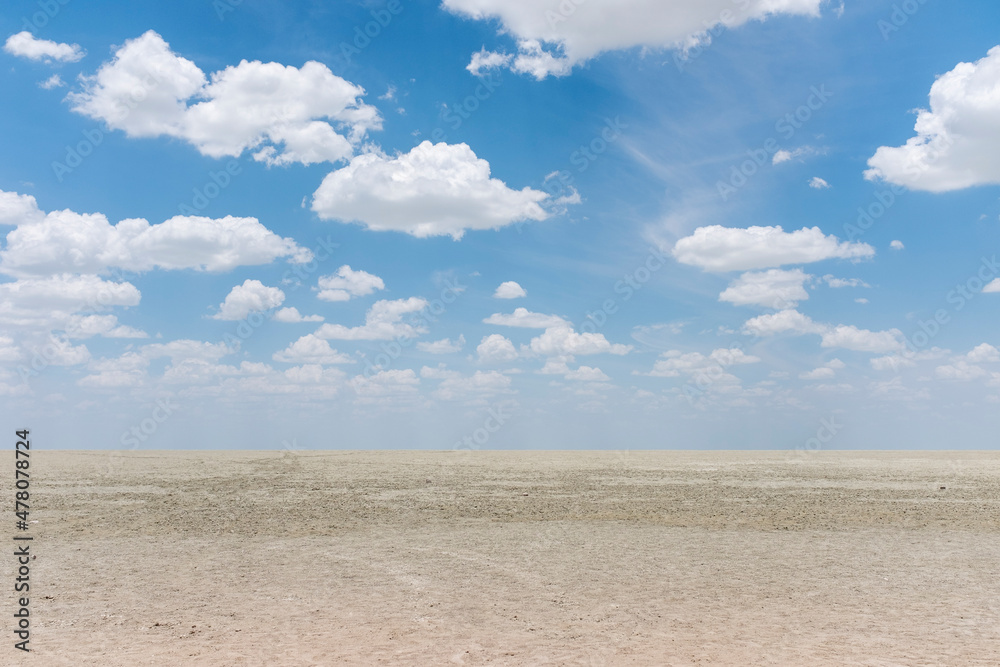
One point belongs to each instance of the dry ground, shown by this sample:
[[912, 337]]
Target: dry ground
[[512, 558]]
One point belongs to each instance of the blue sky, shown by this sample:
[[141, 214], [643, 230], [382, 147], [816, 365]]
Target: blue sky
[[501, 224]]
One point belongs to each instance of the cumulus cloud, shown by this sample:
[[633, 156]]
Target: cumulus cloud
[[554, 37], [434, 190], [383, 321], [775, 288], [293, 316], [562, 341], [443, 346], [311, 350], [186, 349], [897, 245], [719, 249], [283, 114], [522, 317], [54, 81], [347, 283], [782, 156], [817, 183], [673, 363], [983, 353], [960, 371], [480, 384], [509, 290], [837, 283], [495, 349], [250, 297], [52, 303], [824, 372], [26, 45], [63, 241], [848, 337], [992, 287], [957, 142]]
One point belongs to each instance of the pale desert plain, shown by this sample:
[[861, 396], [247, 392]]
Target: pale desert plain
[[513, 558]]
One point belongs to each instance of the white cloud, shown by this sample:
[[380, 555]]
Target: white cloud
[[87, 243], [984, 353], [26, 45], [52, 302], [282, 113], [250, 297], [992, 287], [434, 190], [817, 183], [562, 341], [509, 290], [54, 81], [861, 300], [960, 371], [773, 289], [311, 350], [495, 349], [293, 316], [958, 140], [843, 336], [487, 60], [388, 383], [893, 362], [347, 283], [719, 249], [383, 321], [783, 156], [844, 282], [673, 363], [478, 385], [186, 349], [850, 337], [16, 209], [781, 322], [522, 317], [87, 326], [554, 37], [443, 346], [824, 372], [897, 245]]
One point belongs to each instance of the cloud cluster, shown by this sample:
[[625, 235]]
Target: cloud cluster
[[348, 283], [383, 321], [60, 241], [283, 114], [554, 37], [844, 336]]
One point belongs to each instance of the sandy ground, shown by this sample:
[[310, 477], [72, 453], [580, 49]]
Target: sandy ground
[[512, 558]]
